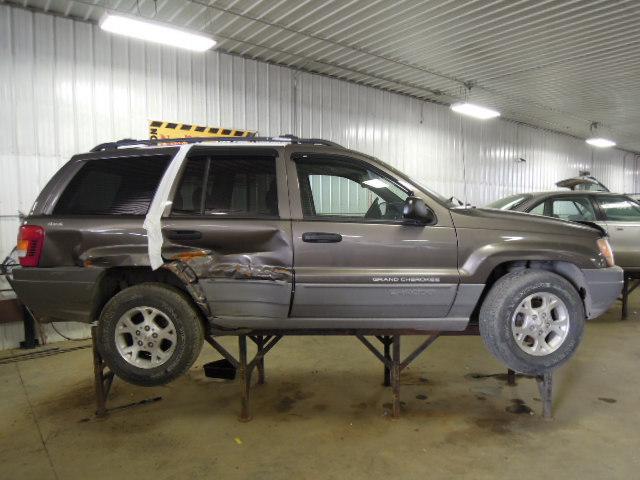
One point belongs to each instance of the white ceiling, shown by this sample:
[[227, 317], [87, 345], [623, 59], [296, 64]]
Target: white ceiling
[[555, 64]]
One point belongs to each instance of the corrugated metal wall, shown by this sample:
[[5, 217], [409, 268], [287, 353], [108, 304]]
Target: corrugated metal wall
[[65, 86]]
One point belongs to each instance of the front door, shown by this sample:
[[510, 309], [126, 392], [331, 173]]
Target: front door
[[229, 223], [354, 256]]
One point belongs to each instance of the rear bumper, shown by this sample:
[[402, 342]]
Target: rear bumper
[[57, 294], [603, 288]]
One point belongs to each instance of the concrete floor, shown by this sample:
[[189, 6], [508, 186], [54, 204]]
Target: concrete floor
[[322, 415]]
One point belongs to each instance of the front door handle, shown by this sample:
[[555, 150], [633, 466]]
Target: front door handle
[[321, 237], [184, 235], [619, 229]]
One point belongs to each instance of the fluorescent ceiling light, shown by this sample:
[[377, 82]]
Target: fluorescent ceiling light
[[600, 142], [475, 111], [155, 32]]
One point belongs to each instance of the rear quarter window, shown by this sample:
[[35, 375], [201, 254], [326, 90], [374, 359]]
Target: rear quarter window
[[113, 186]]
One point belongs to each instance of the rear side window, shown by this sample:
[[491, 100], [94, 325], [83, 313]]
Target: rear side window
[[619, 209], [115, 186], [575, 209], [228, 186], [538, 209]]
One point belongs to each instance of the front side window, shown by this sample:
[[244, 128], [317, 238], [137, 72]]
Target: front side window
[[228, 186], [349, 190], [619, 209], [113, 186], [574, 209]]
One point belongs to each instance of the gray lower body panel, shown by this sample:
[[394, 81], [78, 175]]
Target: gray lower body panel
[[373, 301], [57, 294], [604, 286], [319, 323], [247, 298]]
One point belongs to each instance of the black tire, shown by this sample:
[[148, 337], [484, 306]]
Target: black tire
[[498, 310], [187, 333]]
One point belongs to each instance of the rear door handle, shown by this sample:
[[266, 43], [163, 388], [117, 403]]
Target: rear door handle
[[184, 235], [321, 237]]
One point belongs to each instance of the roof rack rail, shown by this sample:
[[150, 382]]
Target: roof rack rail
[[130, 142]]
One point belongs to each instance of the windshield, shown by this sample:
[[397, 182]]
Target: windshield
[[508, 203]]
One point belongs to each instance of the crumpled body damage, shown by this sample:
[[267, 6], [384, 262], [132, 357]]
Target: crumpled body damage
[[244, 271]]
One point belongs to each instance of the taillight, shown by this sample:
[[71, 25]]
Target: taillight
[[30, 243]]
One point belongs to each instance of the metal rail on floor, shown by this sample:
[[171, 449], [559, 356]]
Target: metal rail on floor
[[631, 282], [265, 340]]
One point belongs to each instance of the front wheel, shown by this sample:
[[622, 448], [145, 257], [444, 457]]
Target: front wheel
[[532, 320], [149, 334]]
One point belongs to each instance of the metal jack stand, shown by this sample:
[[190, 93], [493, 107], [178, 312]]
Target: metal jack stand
[[266, 340], [392, 364], [245, 368], [545, 387], [103, 379], [631, 282]]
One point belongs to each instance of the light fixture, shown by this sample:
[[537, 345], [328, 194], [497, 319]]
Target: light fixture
[[601, 142], [475, 111], [596, 140], [155, 32]]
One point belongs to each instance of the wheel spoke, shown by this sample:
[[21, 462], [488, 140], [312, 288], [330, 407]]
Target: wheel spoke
[[529, 323], [140, 344]]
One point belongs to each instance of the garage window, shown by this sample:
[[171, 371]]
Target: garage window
[[113, 186]]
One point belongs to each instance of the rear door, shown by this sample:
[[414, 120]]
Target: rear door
[[355, 257], [229, 223], [622, 218]]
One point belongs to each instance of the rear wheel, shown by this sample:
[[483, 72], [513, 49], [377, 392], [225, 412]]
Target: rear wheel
[[149, 334], [532, 320]]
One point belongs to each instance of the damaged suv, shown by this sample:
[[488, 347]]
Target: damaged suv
[[161, 243]]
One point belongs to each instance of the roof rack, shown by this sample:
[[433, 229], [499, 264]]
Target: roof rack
[[130, 142]]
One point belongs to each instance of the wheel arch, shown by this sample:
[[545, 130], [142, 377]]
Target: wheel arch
[[116, 279], [567, 270]]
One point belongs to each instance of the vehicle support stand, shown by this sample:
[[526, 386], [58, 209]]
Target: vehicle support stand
[[103, 377], [630, 283], [264, 344], [265, 341], [393, 365], [545, 386]]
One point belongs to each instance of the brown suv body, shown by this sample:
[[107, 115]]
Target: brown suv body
[[291, 266]]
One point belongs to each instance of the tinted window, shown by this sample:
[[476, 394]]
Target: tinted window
[[232, 186], [115, 186], [339, 188], [538, 209], [188, 198], [508, 203], [573, 209], [619, 209]]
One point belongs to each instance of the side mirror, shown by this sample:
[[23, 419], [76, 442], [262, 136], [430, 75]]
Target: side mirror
[[416, 211]]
